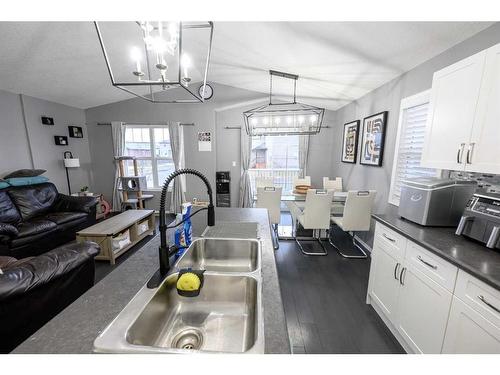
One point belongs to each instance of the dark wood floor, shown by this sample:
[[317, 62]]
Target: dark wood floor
[[324, 300]]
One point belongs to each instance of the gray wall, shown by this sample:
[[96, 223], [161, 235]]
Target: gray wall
[[23, 136], [138, 110], [209, 116], [388, 98]]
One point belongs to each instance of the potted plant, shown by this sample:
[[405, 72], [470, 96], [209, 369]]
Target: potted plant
[[85, 191]]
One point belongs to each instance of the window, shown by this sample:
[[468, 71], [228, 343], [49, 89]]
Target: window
[[151, 147], [277, 158], [409, 144]]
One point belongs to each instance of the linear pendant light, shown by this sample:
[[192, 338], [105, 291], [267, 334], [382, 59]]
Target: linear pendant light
[[283, 118]]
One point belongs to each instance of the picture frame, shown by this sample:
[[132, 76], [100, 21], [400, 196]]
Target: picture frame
[[373, 140], [75, 131], [61, 140], [350, 142]]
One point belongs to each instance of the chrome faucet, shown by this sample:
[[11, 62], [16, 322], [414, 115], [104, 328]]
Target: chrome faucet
[[165, 251]]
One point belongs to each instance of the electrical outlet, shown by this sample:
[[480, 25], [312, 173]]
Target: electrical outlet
[[234, 164]]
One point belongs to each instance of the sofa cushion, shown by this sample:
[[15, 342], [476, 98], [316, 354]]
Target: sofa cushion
[[25, 173], [35, 226], [26, 181], [34, 200], [64, 217], [8, 211]]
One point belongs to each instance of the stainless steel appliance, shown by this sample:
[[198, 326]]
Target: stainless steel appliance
[[481, 219], [433, 201], [223, 189]]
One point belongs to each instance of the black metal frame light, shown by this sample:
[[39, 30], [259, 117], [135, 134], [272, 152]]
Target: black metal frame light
[[181, 82], [283, 118]]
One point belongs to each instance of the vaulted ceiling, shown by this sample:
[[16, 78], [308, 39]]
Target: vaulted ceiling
[[337, 62]]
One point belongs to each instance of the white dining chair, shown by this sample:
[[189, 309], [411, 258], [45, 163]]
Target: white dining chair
[[263, 182], [315, 216], [332, 184], [356, 218], [270, 197]]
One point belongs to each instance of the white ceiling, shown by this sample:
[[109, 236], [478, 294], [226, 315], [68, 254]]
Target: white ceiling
[[337, 61]]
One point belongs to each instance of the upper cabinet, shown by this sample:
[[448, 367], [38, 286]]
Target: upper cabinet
[[462, 130]]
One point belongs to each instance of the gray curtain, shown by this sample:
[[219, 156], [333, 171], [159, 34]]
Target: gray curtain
[[303, 154], [245, 199], [118, 134], [177, 143]]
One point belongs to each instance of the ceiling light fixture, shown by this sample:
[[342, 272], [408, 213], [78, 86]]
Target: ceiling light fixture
[[295, 114], [162, 62]]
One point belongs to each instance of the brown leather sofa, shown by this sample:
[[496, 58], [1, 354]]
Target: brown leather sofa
[[34, 290]]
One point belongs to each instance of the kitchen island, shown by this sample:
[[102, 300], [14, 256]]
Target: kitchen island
[[75, 329]]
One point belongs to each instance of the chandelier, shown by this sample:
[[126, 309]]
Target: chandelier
[[283, 118], [146, 59]]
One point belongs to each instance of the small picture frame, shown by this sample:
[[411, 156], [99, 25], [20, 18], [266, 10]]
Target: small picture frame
[[350, 142], [47, 120], [61, 140], [75, 131], [372, 144]]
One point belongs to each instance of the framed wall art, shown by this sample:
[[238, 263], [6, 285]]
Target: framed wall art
[[75, 131], [372, 144], [350, 142], [61, 140]]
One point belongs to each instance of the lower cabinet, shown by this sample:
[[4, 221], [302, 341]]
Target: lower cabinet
[[430, 305], [469, 332], [422, 311]]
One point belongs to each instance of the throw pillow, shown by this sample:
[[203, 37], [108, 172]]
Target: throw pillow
[[23, 181], [25, 173]]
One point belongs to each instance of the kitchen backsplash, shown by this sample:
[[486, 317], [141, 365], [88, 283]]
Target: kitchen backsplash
[[490, 182]]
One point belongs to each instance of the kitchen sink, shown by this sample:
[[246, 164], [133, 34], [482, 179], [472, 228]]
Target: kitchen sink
[[222, 255], [226, 317]]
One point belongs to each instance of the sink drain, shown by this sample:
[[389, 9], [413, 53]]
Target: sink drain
[[190, 339]]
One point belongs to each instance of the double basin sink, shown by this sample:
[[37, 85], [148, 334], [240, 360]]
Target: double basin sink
[[226, 317]]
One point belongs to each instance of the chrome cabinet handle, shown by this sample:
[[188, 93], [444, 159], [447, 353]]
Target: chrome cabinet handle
[[427, 263], [468, 159], [403, 273], [460, 153], [389, 238], [396, 271], [483, 300]]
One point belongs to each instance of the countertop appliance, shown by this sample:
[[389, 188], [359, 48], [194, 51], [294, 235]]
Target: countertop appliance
[[223, 189], [481, 219], [433, 201]]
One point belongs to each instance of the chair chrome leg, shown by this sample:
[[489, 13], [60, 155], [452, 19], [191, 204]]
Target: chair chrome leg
[[314, 238], [364, 256], [276, 241]]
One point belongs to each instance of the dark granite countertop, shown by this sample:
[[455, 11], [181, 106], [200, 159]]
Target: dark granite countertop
[[75, 328], [469, 255]]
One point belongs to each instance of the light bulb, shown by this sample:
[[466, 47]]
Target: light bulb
[[160, 29], [136, 56], [254, 121], [313, 119], [185, 64], [301, 119], [277, 120], [265, 120], [289, 120]]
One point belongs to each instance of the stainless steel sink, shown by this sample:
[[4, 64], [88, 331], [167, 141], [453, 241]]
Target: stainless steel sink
[[222, 255], [226, 317]]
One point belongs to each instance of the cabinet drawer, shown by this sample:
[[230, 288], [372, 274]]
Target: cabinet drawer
[[479, 296], [386, 236], [431, 265]]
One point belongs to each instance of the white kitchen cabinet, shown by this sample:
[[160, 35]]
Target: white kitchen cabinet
[[482, 154], [454, 96], [384, 284], [423, 310], [469, 332]]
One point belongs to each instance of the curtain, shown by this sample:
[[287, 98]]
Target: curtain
[[303, 154], [246, 199], [118, 134], [177, 144]]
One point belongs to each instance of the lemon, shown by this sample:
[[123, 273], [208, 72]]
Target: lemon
[[188, 282]]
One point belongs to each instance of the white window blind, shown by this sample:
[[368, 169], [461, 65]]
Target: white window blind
[[410, 144]]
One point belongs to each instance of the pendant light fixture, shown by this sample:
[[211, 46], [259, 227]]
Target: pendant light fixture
[[283, 118], [147, 58]]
